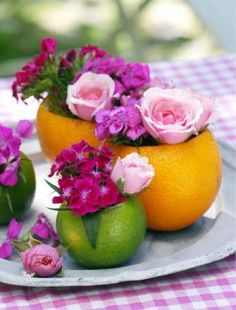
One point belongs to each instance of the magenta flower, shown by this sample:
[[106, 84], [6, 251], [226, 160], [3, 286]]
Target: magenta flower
[[71, 55], [24, 129], [92, 51], [49, 45], [84, 198], [135, 75], [6, 249], [13, 232], [43, 228], [84, 179], [14, 229], [109, 194], [10, 151], [124, 121], [41, 260], [108, 65], [40, 59]]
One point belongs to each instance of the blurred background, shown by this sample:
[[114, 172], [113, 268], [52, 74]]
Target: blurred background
[[139, 30]]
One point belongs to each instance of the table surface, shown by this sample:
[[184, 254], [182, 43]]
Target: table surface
[[212, 286]]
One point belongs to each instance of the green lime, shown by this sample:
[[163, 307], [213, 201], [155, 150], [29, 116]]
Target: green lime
[[15, 200], [121, 231]]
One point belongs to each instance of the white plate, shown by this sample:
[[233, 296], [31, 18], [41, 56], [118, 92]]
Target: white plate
[[210, 239]]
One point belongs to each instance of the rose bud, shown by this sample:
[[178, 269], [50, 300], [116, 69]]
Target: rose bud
[[41, 260], [134, 172]]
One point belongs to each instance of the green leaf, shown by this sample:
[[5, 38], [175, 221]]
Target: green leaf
[[59, 209], [33, 242], [9, 202], [20, 246], [54, 187], [91, 224], [23, 176], [120, 183]]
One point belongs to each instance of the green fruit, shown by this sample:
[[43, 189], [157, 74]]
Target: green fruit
[[121, 231], [15, 200]]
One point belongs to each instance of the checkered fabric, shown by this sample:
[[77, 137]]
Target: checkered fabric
[[211, 286]]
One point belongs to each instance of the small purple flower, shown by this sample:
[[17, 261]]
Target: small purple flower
[[43, 228], [14, 229], [108, 65], [9, 175], [6, 249], [10, 151], [135, 132], [118, 121], [103, 120], [135, 75], [24, 129], [13, 232]]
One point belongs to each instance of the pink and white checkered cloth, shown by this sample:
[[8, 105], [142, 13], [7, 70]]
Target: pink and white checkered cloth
[[211, 286]]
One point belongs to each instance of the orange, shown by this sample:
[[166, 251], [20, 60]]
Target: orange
[[188, 177], [56, 132], [120, 233]]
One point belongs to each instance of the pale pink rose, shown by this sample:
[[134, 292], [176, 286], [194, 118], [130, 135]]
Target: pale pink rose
[[173, 115], [134, 171], [89, 94], [42, 260]]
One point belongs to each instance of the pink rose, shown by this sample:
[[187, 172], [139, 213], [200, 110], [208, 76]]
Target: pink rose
[[42, 260], [173, 115], [89, 94], [134, 171]]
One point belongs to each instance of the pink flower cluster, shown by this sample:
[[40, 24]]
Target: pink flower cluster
[[85, 183], [108, 89], [42, 229], [32, 68], [128, 106], [10, 151]]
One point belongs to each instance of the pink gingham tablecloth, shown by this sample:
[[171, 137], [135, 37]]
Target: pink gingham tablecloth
[[212, 286]]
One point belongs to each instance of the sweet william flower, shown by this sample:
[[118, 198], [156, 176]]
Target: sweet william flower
[[173, 115], [49, 45], [89, 94], [134, 172], [109, 194], [71, 55], [84, 199], [106, 65], [13, 232], [14, 229], [6, 249], [43, 228], [41, 260], [93, 51], [24, 129], [135, 75]]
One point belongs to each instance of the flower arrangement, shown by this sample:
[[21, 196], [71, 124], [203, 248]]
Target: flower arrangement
[[38, 247], [92, 95], [127, 105], [89, 183]]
